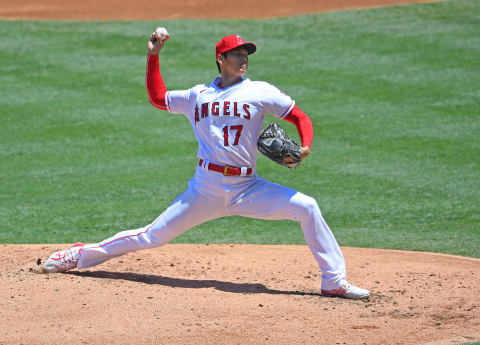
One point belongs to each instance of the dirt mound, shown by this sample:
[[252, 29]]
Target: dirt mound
[[237, 294]]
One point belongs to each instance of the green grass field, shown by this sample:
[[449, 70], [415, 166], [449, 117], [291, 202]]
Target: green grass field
[[394, 94]]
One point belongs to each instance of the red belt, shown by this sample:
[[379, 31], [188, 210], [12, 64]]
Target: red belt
[[226, 170]]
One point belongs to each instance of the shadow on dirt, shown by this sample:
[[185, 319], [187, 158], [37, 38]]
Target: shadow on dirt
[[246, 288]]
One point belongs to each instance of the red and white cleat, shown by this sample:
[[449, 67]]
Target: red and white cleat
[[347, 290], [63, 260]]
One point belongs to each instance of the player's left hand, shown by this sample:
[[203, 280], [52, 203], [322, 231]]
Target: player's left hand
[[304, 152]]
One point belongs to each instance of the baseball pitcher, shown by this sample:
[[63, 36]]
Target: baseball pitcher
[[227, 116]]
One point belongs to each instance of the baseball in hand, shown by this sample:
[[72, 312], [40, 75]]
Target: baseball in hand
[[161, 33]]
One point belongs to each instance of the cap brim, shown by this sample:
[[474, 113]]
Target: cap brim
[[250, 47]]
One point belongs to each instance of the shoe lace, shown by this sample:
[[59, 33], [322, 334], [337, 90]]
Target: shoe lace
[[69, 256]]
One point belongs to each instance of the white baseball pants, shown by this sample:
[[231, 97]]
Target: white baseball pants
[[211, 195]]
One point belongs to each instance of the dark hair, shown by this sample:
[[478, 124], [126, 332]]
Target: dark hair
[[218, 65]]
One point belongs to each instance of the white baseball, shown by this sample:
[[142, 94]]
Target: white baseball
[[161, 33]]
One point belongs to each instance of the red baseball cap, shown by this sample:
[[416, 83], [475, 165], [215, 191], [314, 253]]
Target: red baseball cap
[[233, 41]]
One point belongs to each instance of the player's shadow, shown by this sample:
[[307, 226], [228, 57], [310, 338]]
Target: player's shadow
[[246, 288]]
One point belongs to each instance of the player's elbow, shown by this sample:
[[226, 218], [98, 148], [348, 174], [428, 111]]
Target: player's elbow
[[157, 102]]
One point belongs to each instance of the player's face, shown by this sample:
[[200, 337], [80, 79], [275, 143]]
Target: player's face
[[236, 62]]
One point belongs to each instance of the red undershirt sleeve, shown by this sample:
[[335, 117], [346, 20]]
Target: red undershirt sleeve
[[156, 88], [303, 124]]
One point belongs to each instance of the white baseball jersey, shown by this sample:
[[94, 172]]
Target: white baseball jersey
[[227, 122]]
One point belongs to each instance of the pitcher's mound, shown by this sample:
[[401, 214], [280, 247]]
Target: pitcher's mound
[[238, 294]]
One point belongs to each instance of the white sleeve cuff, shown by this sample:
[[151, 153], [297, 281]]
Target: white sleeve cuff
[[288, 110]]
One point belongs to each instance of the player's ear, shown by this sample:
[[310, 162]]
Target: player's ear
[[220, 61], [220, 58]]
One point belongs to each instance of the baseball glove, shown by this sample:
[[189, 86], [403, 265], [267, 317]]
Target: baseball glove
[[277, 146]]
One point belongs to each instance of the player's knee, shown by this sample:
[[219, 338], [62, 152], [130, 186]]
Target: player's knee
[[310, 206]]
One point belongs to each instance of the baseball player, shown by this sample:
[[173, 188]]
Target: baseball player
[[226, 116]]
